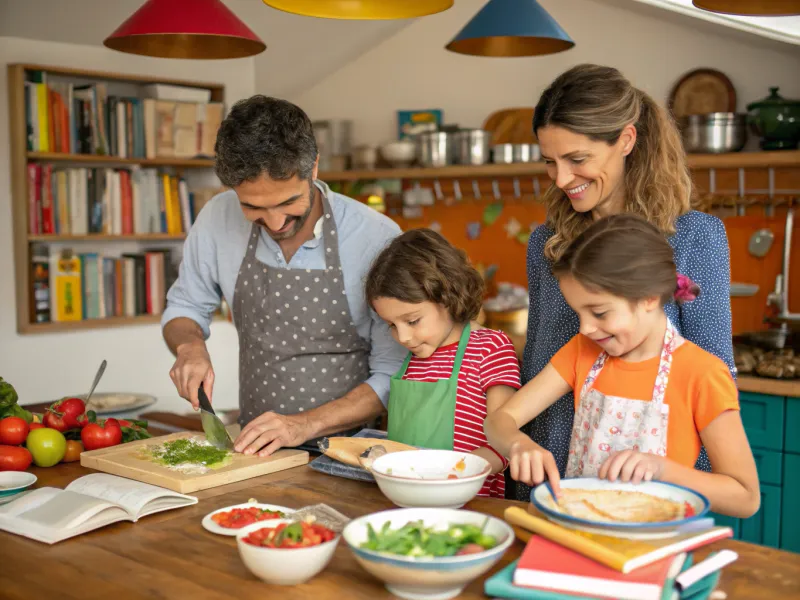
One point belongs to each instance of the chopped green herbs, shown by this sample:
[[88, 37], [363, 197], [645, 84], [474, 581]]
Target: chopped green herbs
[[186, 451], [416, 540]]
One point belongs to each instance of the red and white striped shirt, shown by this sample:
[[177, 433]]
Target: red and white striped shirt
[[489, 360]]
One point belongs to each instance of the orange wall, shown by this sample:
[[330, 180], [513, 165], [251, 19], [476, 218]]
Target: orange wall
[[494, 246]]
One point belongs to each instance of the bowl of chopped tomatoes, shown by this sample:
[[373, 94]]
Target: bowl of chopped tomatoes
[[285, 551]]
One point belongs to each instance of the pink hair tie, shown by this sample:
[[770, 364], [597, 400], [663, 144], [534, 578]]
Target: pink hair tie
[[686, 290]]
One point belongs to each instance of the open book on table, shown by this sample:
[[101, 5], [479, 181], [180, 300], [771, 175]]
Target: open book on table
[[49, 514]]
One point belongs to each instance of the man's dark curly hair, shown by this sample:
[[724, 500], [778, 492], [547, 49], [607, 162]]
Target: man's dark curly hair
[[264, 136], [422, 266]]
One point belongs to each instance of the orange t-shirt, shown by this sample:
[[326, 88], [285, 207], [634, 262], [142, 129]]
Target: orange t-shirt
[[699, 389]]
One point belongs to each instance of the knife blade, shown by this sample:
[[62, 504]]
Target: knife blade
[[213, 426]]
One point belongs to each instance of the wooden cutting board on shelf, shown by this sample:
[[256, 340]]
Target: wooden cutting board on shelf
[[125, 460], [511, 126]]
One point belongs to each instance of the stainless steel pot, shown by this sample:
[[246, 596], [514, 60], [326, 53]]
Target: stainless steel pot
[[503, 153], [435, 148], [472, 146], [713, 133]]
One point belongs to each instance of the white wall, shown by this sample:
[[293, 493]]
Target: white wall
[[653, 48], [47, 367]]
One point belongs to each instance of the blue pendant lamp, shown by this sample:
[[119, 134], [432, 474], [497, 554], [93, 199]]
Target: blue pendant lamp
[[511, 28]]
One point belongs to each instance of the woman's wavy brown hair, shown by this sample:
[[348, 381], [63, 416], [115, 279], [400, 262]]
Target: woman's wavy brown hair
[[421, 266], [599, 102]]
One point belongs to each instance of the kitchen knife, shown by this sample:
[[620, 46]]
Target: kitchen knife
[[213, 426]]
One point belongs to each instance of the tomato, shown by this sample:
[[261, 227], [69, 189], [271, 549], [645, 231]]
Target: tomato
[[239, 517], [64, 414], [96, 436], [13, 430], [73, 451], [47, 446], [36, 426], [14, 458], [299, 534], [688, 510], [470, 549]]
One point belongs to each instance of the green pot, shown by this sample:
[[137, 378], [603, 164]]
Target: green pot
[[776, 120]]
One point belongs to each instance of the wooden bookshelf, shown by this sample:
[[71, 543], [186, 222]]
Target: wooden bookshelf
[[184, 163], [102, 237], [21, 156], [733, 160], [106, 323]]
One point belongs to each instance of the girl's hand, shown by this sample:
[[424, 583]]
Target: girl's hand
[[530, 464], [632, 466]]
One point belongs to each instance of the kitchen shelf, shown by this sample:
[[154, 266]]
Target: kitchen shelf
[[196, 163], [733, 160], [101, 237]]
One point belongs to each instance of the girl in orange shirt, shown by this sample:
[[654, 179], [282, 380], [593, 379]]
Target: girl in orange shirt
[[646, 399]]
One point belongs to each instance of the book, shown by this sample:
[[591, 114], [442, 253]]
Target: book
[[50, 515], [622, 554], [546, 565], [501, 585]]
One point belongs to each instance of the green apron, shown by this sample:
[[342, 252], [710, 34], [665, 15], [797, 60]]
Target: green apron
[[423, 413]]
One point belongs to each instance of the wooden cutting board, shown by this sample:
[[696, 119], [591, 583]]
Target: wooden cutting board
[[123, 460]]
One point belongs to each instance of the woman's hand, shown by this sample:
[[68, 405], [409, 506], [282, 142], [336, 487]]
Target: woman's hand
[[531, 464], [632, 466]]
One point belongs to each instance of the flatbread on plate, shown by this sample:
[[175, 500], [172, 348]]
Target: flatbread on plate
[[619, 506]]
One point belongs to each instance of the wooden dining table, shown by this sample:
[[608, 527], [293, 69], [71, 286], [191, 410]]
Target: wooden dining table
[[170, 555]]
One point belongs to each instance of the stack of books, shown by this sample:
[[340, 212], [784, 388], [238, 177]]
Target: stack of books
[[559, 563]]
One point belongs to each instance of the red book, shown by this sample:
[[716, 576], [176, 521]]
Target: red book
[[546, 565]]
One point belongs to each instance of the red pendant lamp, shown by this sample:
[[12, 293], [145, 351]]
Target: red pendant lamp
[[199, 29], [751, 8]]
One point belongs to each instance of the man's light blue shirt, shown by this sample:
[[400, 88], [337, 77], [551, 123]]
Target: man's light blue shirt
[[215, 248]]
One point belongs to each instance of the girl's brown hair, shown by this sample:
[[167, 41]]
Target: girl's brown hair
[[599, 102], [628, 257], [421, 266]]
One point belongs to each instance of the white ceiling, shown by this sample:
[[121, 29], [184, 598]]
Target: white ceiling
[[321, 46], [784, 29]]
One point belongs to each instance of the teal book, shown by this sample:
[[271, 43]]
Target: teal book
[[501, 585]]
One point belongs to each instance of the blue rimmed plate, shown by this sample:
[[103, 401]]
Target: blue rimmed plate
[[542, 498], [13, 483]]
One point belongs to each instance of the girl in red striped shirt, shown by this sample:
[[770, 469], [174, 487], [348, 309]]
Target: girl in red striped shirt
[[456, 371]]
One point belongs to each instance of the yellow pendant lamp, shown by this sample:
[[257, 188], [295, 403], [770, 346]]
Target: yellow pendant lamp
[[361, 9], [751, 8]]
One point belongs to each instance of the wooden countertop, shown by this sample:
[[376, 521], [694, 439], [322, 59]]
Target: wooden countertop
[[170, 555], [765, 385], [745, 383]]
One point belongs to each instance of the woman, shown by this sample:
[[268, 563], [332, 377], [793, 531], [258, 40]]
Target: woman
[[609, 148]]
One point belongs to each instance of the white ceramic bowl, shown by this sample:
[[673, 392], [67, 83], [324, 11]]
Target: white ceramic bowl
[[419, 478], [400, 153], [283, 566], [427, 578]]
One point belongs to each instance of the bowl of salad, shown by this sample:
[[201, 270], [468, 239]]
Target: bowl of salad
[[427, 553], [430, 478], [285, 551]]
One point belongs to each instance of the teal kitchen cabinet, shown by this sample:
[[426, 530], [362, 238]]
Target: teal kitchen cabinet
[[790, 516], [772, 424], [764, 527], [763, 418]]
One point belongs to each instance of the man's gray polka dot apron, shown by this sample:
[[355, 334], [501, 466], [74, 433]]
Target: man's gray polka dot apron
[[298, 345]]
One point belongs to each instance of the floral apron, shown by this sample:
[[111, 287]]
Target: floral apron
[[607, 424]]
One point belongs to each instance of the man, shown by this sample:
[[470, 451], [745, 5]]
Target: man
[[290, 257]]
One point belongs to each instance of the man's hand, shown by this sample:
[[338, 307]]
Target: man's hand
[[192, 367], [268, 432]]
